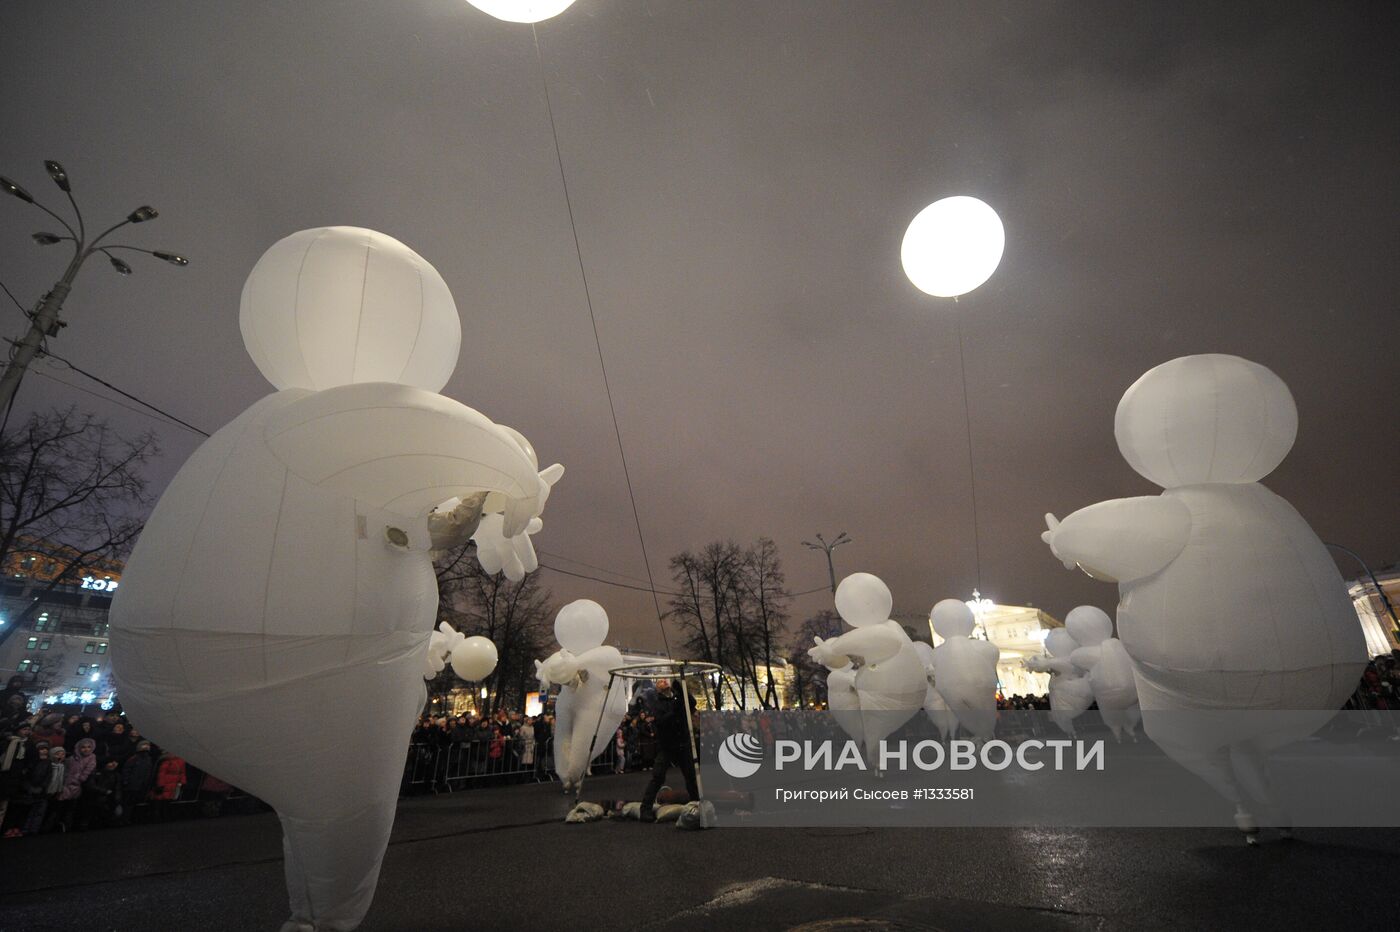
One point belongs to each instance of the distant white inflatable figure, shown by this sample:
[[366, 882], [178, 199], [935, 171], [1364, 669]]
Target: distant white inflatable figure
[[581, 668], [287, 566], [934, 707], [965, 668], [1109, 669], [889, 679], [1070, 691], [1228, 600]]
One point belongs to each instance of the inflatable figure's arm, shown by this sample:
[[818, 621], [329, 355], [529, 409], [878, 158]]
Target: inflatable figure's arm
[[1059, 666], [406, 450], [440, 645], [1086, 658], [1123, 539], [869, 645], [822, 654], [562, 668]]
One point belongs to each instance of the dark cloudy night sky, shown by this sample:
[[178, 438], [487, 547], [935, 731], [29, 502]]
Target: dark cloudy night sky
[[1174, 178]]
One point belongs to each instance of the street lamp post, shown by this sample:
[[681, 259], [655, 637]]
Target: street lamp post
[[828, 547], [44, 320]]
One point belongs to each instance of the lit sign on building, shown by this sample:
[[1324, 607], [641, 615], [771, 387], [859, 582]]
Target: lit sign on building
[[99, 585]]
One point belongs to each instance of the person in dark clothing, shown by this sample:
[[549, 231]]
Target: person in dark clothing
[[14, 688], [138, 773], [666, 707], [101, 796]]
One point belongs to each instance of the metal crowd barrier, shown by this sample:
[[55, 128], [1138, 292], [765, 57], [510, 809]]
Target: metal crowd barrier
[[448, 767]]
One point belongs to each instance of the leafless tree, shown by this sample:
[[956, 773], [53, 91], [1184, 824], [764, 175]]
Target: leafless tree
[[72, 498], [515, 616], [732, 606], [809, 677]]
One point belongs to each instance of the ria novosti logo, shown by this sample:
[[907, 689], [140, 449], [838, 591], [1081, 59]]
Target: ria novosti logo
[[740, 755]]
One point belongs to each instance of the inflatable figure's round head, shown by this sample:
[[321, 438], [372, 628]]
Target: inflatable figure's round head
[[339, 305], [952, 618], [1089, 625], [1060, 643], [1209, 418], [581, 625], [474, 658], [863, 599]]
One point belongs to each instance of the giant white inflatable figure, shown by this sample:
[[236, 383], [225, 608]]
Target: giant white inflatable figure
[[1228, 600], [965, 668], [1109, 669], [1070, 691], [591, 704], [287, 566], [934, 707], [888, 682]]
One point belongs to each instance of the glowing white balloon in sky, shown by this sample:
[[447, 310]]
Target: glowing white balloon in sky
[[952, 246], [522, 11]]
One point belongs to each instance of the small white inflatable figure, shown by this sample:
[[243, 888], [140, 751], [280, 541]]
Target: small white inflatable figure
[[934, 707], [965, 668], [288, 564], [889, 680], [1108, 668], [1070, 691], [1228, 600], [587, 712]]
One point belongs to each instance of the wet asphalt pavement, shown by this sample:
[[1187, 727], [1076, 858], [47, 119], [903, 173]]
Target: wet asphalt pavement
[[502, 858]]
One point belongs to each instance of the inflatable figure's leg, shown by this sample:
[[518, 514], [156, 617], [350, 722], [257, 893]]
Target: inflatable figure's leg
[[1213, 766], [1250, 768], [1117, 722], [332, 865]]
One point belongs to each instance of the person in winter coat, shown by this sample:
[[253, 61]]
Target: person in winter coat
[[137, 777], [101, 796], [50, 729], [13, 710], [526, 738], [84, 727], [15, 688], [77, 768], [667, 708], [44, 784], [116, 744], [17, 756], [170, 778]]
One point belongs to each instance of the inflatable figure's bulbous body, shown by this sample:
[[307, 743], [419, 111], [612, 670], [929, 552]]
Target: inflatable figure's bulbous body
[[1070, 695], [587, 715], [965, 675], [1254, 591], [891, 692], [249, 590]]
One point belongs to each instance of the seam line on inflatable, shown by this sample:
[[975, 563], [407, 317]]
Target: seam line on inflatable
[[296, 306], [271, 559], [418, 333], [360, 317], [1263, 434]]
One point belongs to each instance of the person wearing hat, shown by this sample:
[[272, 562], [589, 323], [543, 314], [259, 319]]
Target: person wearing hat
[[43, 784], [137, 774]]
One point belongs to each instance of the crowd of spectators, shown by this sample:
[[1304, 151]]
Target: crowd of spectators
[[508, 747], [1380, 684], [69, 772], [63, 773]]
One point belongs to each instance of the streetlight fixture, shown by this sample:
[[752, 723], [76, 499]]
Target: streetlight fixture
[[44, 320], [828, 547]]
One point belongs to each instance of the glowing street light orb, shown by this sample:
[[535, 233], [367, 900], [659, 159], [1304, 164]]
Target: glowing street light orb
[[952, 246], [522, 11]]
